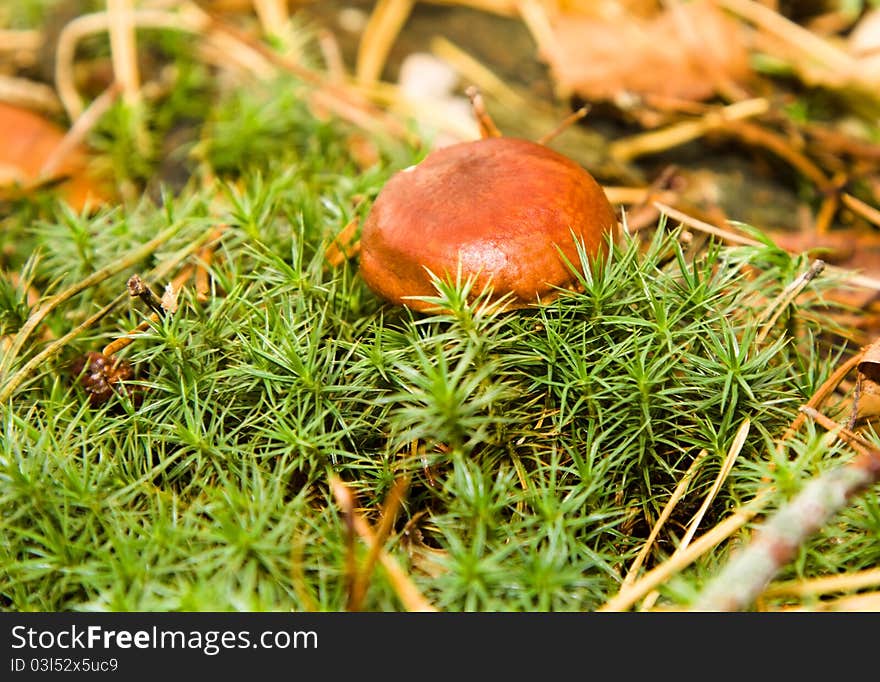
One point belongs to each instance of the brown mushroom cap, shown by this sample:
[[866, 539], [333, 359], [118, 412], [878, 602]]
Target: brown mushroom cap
[[503, 207]]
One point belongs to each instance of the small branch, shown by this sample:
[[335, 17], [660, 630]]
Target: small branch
[[534, 15], [677, 494], [726, 466], [821, 394], [272, 14], [342, 101], [331, 53], [47, 306], [626, 597], [797, 36], [80, 128], [345, 500], [474, 71], [123, 48], [786, 297], [189, 19], [677, 134], [389, 514], [638, 195], [859, 207], [9, 387], [12, 40], [831, 203], [409, 594], [166, 306], [750, 571], [378, 36], [734, 238], [117, 345], [27, 93], [138, 288], [203, 277], [566, 123], [702, 226], [487, 125], [753, 134], [825, 585], [344, 244]]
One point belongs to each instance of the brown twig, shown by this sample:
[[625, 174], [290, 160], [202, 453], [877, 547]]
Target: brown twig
[[345, 500], [389, 514], [118, 344], [867, 601], [487, 125], [643, 213], [190, 19], [726, 466], [754, 134], [841, 143], [825, 585], [409, 594], [28, 93], [655, 141], [8, 388], [342, 101], [331, 53], [273, 15], [138, 288], [565, 124], [861, 208], [750, 571], [812, 45], [690, 221], [638, 195], [474, 71], [42, 311], [135, 285], [385, 22], [779, 304], [123, 48], [80, 128], [821, 395], [628, 596], [734, 238], [203, 282], [344, 244], [677, 494]]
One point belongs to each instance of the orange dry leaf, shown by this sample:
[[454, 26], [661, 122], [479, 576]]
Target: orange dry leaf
[[689, 51], [866, 402], [27, 142]]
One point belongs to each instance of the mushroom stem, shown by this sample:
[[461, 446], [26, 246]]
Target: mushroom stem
[[487, 125]]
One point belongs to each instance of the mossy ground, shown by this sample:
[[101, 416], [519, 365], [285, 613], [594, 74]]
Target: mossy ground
[[540, 445]]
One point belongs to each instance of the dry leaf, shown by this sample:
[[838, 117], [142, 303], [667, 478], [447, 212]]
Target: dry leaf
[[866, 402], [688, 51], [864, 44], [27, 142], [169, 298]]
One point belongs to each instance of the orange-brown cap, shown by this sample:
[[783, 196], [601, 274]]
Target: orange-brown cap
[[502, 208]]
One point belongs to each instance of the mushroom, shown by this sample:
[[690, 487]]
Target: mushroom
[[508, 212]]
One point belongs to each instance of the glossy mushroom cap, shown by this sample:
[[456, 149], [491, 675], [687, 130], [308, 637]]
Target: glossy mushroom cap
[[504, 208]]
